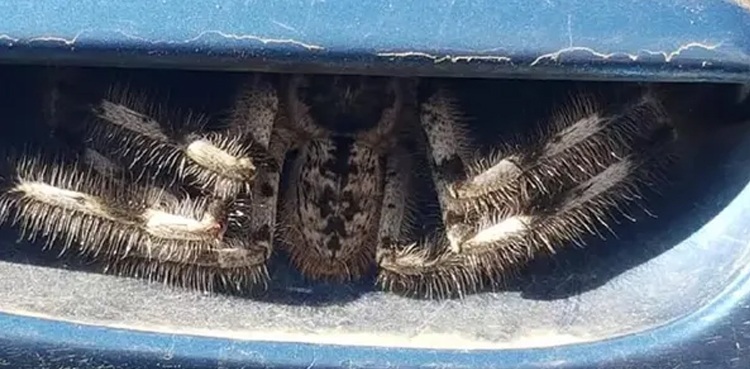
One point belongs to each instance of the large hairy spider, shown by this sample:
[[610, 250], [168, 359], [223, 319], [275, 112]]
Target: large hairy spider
[[172, 197]]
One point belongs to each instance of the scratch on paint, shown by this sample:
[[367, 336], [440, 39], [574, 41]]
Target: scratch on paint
[[668, 56], [449, 58], [231, 36], [72, 41]]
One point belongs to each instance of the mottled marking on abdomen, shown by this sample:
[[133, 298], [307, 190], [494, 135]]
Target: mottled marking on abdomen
[[338, 197]]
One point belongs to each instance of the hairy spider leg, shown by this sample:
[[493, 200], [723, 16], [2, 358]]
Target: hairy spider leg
[[256, 113], [50, 195], [481, 247], [150, 140], [567, 148], [248, 216], [409, 269], [252, 217]]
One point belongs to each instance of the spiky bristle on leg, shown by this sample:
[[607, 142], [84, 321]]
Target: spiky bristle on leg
[[256, 113], [480, 248], [503, 243], [255, 110], [574, 144], [173, 146], [396, 215], [235, 268], [51, 196], [446, 139], [75, 206]]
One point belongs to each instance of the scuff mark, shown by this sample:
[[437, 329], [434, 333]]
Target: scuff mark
[[284, 26], [11, 40], [62, 40], [170, 352], [230, 36], [556, 55], [312, 364], [72, 41], [668, 56], [440, 59]]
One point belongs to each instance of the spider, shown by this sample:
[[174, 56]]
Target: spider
[[326, 168]]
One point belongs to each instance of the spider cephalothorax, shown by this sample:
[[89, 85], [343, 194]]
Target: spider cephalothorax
[[351, 145]]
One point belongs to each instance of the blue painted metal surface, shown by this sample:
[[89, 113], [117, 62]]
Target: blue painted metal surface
[[665, 39], [716, 336], [656, 40]]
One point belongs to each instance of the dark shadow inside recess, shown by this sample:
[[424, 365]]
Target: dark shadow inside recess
[[492, 106]]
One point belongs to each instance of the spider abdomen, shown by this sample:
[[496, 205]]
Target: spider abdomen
[[332, 209]]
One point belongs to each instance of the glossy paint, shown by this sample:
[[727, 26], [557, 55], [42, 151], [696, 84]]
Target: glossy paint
[[664, 39]]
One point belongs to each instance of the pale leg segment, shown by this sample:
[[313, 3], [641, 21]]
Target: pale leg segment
[[480, 248]]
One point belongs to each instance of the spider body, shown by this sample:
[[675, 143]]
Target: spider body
[[344, 130], [352, 145]]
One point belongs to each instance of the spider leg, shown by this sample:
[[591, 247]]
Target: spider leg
[[176, 146], [447, 141], [402, 262], [220, 239], [256, 113], [553, 202], [252, 217], [135, 229], [574, 144]]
